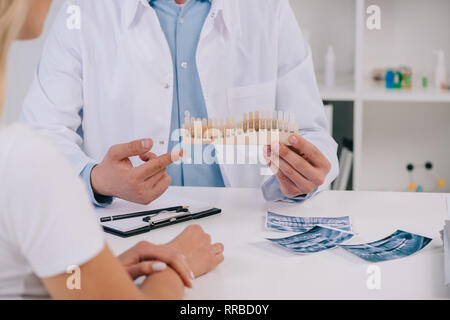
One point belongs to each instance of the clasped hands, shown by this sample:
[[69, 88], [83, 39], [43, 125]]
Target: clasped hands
[[191, 255]]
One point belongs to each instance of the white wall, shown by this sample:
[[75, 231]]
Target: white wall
[[23, 58], [327, 22], [399, 133]]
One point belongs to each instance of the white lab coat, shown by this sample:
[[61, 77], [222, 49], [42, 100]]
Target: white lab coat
[[117, 70]]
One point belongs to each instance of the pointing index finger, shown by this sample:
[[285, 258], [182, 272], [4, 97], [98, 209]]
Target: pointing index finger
[[158, 164]]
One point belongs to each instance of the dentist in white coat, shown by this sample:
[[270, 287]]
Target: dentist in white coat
[[116, 73]]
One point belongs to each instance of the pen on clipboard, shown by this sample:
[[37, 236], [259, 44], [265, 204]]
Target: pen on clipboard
[[142, 214]]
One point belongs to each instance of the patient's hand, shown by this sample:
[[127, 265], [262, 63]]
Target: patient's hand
[[202, 256], [115, 176], [146, 258]]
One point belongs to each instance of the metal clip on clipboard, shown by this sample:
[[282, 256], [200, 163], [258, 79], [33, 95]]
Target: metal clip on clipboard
[[168, 218]]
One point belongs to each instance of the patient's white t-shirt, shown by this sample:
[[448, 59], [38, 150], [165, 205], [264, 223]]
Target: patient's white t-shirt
[[47, 223]]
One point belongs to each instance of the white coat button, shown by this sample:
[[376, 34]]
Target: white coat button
[[213, 15], [184, 65], [167, 86]]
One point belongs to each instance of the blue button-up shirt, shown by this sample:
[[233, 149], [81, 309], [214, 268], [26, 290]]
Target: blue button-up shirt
[[182, 26]]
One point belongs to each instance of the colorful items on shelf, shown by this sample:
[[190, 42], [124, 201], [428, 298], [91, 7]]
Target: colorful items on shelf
[[424, 82], [414, 187], [395, 78], [390, 79], [445, 87], [407, 78], [399, 79]]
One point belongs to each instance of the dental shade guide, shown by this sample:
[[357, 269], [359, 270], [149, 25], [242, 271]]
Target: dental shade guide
[[256, 128]]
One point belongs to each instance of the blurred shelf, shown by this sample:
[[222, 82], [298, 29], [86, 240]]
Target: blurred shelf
[[344, 90], [401, 95]]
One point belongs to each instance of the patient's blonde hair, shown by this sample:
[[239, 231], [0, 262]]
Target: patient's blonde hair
[[12, 17]]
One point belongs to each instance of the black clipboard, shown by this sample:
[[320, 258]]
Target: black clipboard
[[152, 226]]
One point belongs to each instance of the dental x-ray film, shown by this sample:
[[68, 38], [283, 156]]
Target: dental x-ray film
[[278, 222], [315, 240], [398, 245]]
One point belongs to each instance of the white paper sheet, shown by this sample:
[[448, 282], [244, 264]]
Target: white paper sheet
[[126, 224]]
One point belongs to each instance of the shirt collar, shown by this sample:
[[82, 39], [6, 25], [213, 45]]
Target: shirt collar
[[132, 8]]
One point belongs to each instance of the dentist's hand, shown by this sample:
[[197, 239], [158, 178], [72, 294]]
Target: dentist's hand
[[300, 169], [115, 176]]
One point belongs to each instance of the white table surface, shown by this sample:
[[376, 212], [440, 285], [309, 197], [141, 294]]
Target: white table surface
[[256, 269]]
